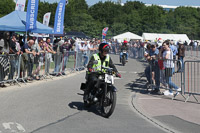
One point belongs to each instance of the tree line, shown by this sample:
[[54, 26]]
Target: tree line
[[133, 16]]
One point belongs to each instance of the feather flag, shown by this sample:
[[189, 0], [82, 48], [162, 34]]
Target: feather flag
[[31, 15], [20, 5], [59, 17], [46, 18], [104, 32]]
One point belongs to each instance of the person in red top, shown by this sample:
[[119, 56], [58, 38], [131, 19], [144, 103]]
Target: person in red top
[[161, 66]]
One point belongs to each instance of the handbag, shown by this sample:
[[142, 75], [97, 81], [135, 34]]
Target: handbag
[[168, 72]]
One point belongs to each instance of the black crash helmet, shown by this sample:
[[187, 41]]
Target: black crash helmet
[[104, 47]]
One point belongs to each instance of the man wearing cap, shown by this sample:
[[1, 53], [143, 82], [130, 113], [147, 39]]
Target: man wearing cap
[[153, 69]]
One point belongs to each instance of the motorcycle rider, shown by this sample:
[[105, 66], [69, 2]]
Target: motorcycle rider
[[124, 47], [95, 64]]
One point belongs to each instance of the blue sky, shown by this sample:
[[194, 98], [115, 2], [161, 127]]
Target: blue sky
[[160, 2]]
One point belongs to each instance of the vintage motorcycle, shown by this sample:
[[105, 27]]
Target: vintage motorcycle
[[103, 96]]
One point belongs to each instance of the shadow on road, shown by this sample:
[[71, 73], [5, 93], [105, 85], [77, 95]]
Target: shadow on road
[[117, 64], [80, 106]]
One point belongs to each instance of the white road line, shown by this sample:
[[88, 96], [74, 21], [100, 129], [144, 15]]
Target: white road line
[[20, 127], [150, 98], [133, 72], [128, 72], [8, 125], [122, 71]]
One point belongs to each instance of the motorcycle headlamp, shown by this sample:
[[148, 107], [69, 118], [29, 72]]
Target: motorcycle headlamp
[[100, 77]]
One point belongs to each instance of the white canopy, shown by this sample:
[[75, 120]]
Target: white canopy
[[128, 36], [175, 37]]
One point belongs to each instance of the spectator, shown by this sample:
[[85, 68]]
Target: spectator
[[174, 49], [135, 50], [30, 53], [113, 43], [154, 67], [185, 43], [161, 66], [191, 43], [181, 55], [194, 45], [58, 56], [4, 50], [148, 47], [13, 58], [65, 49], [48, 55], [38, 60], [169, 65]]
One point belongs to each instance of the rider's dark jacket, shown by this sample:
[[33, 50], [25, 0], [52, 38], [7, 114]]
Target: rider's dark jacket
[[124, 47]]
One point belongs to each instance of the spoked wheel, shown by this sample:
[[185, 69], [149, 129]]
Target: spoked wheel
[[108, 104]]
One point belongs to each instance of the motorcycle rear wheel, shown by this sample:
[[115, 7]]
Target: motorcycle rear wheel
[[123, 61], [108, 104]]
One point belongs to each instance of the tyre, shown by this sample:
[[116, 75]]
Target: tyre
[[108, 104], [123, 61]]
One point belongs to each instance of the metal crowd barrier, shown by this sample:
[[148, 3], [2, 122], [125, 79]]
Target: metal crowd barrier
[[186, 77], [4, 68], [191, 79], [59, 63], [19, 68], [162, 77], [82, 59], [134, 52], [192, 52]]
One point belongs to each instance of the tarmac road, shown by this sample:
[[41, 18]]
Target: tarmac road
[[56, 106]]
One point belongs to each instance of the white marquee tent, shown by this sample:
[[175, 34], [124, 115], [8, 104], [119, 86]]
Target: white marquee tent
[[175, 37], [128, 36]]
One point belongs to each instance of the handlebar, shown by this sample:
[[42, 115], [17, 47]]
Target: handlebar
[[108, 70]]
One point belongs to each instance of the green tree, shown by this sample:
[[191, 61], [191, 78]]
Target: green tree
[[6, 7], [186, 21], [152, 19]]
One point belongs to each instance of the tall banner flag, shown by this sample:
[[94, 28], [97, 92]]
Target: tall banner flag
[[59, 17], [31, 15], [104, 32], [20, 5], [46, 18]]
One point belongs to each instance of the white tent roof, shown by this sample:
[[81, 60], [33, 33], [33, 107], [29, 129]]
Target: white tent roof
[[154, 36], [127, 35]]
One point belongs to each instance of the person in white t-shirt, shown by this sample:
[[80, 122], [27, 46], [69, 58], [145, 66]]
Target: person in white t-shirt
[[169, 68], [85, 52]]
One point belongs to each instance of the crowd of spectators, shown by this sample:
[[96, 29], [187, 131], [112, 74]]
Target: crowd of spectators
[[163, 59], [38, 51]]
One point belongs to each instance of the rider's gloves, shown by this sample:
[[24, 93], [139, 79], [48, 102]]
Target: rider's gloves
[[118, 75], [91, 70]]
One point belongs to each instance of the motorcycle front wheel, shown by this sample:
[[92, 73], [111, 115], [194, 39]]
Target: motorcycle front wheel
[[108, 104]]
